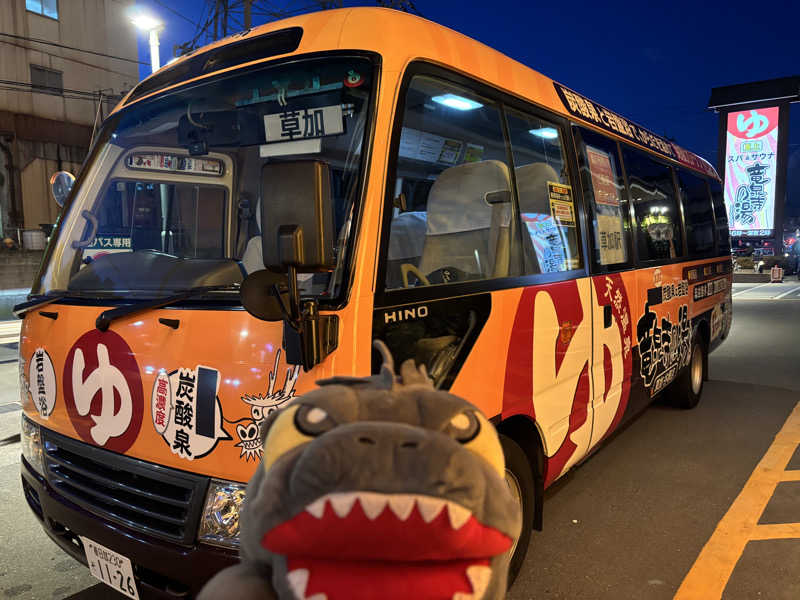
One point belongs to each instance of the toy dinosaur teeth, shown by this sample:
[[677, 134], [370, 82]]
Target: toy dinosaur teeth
[[429, 508], [298, 581], [479, 577], [372, 504], [402, 505], [458, 515], [317, 508], [342, 503]]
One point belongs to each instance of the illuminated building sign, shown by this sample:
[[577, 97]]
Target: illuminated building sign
[[751, 153]]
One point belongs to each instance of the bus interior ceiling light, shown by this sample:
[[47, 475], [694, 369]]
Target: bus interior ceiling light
[[548, 133], [457, 102]]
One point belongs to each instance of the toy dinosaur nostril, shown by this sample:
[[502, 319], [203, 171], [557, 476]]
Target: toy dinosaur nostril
[[409, 444], [366, 440]]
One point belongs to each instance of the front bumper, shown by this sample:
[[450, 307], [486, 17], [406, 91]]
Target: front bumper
[[162, 570]]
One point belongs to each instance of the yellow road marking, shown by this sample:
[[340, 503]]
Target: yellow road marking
[[776, 531], [791, 476], [709, 575]]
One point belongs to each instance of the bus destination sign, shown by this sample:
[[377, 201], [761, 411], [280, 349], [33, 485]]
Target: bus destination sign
[[583, 108]]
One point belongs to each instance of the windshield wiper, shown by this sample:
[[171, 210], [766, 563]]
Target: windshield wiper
[[109, 316], [35, 302]]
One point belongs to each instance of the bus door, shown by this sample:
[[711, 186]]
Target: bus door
[[613, 285], [455, 239], [446, 235]]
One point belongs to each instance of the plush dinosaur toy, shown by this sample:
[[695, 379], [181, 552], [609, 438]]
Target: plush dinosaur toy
[[376, 488]]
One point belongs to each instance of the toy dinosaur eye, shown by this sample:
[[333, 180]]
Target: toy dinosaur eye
[[464, 427], [312, 420], [283, 435]]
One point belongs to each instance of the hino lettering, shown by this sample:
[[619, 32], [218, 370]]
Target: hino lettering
[[405, 314]]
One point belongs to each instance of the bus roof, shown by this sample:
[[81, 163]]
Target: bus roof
[[388, 32]]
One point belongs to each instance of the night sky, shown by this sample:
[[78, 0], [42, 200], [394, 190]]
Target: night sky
[[652, 62]]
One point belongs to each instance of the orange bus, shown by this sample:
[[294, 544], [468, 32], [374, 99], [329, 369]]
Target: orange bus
[[253, 215]]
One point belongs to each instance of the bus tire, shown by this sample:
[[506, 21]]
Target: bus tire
[[686, 390], [519, 478]]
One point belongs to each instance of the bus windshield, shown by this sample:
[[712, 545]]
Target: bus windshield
[[171, 200]]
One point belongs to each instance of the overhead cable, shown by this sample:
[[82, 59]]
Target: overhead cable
[[57, 45], [23, 86], [175, 12]]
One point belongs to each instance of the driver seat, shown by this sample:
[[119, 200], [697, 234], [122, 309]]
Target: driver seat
[[464, 230]]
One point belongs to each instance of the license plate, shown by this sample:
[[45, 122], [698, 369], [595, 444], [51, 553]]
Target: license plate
[[111, 568]]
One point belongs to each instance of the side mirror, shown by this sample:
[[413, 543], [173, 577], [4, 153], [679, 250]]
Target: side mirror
[[265, 295], [297, 216], [60, 185]]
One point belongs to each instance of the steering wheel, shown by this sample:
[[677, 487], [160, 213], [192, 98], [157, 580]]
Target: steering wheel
[[448, 275], [441, 275], [407, 268]]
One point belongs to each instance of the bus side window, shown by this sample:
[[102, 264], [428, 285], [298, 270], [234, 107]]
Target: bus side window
[[721, 217], [546, 200], [658, 220], [698, 214], [607, 199], [452, 196]]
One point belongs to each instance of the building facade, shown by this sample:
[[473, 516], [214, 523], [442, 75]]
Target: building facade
[[63, 66]]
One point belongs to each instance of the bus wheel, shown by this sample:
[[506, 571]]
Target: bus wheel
[[520, 481], [686, 389]]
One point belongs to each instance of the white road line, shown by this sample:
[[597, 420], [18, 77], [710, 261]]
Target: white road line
[[9, 331], [755, 287], [794, 289]]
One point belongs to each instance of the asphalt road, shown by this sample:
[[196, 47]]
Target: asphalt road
[[630, 522]]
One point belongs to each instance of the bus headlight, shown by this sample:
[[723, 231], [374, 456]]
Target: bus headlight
[[220, 522], [31, 438]]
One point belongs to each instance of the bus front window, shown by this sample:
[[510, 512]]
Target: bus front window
[[170, 200]]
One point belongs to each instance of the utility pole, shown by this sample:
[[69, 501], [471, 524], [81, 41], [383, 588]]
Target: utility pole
[[404, 5], [216, 19], [248, 13], [223, 17]]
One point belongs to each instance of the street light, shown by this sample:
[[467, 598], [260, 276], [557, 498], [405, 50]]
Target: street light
[[152, 26]]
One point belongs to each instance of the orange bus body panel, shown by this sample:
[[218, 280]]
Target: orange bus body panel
[[244, 351]]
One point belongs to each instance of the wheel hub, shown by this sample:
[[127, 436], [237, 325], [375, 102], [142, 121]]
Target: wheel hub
[[516, 491], [697, 371]]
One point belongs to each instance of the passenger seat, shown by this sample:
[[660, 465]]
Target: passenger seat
[[534, 199], [464, 230]]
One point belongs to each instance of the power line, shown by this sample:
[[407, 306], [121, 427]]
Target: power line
[[78, 61], [175, 12], [10, 88], [24, 86], [57, 45]]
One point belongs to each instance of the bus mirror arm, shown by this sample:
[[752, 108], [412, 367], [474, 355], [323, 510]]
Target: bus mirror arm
[[316, 335], [308, 336]]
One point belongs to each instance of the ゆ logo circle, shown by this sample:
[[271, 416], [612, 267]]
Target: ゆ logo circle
[[103, 390]]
